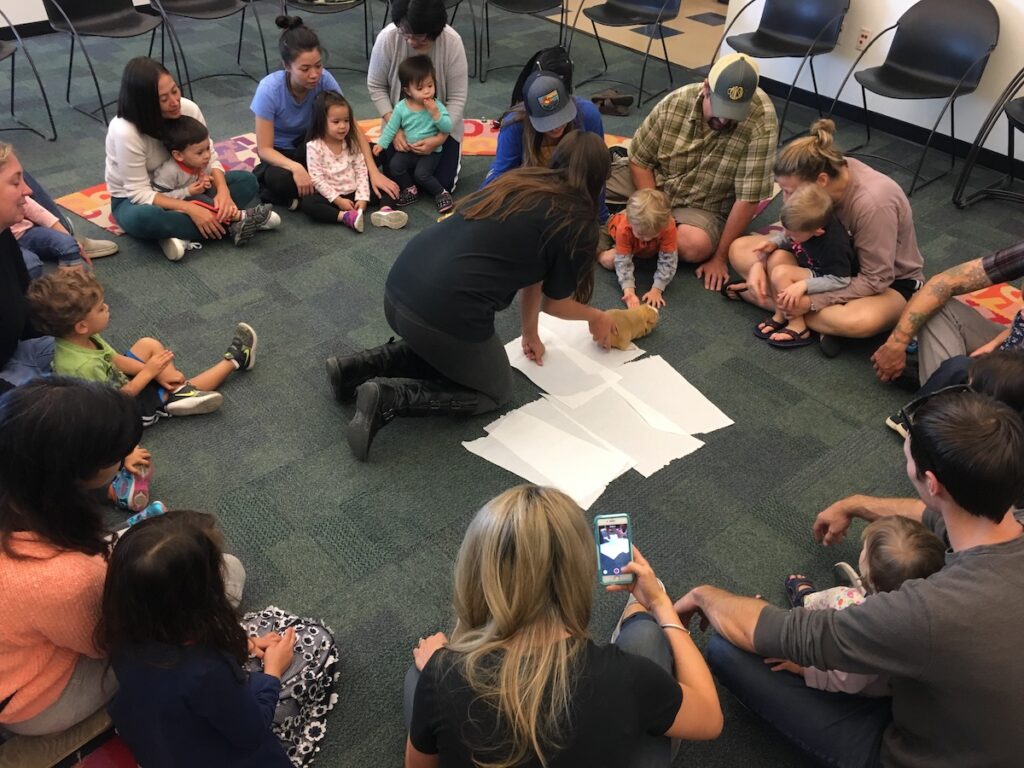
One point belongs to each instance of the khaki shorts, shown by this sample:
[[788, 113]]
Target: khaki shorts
[[711, 223]]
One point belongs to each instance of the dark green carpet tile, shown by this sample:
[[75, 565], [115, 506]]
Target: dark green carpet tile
[[369, 547]]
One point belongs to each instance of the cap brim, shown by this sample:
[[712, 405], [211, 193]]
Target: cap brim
[[556, 119], [724, 109]]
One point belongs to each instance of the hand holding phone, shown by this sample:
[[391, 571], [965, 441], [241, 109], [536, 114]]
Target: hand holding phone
[[614, 539]]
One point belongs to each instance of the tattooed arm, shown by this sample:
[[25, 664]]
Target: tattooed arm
[[891, 358]]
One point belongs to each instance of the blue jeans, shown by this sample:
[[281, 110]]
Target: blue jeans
[[150, 222], [641, 636], [835, 729], [954, 370], [31, 359], [49, 245]]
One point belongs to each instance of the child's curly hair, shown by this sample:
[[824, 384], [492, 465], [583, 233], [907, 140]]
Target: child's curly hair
[[61, 299], [647, 211]]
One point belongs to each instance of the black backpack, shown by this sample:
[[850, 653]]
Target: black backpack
[[555, 60]]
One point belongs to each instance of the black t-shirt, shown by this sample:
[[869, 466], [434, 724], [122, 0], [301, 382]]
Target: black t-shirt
[[831, 253], [617, 699], [457, 274], [14, 312]]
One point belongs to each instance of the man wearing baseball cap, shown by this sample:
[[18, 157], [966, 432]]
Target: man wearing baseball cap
[[710, 147]]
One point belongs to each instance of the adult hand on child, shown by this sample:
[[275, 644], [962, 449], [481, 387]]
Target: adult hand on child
[[533, 348], [207, 222], [715, 272], [138, 461], [158, 362], [226, 208], [783, 665], [426, 647], [400, 143], [428, 145], [303, 181], [602, 328], [381, 184], [757, 283], [277, 657], [654, 298]]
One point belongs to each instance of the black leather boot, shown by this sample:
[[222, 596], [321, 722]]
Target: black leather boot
[[395, 358], [378, 401]]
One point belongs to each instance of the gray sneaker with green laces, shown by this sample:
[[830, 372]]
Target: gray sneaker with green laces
[[242, 350]]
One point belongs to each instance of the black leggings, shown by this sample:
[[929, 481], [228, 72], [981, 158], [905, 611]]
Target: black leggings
[[422, 167], [478, 365], [277, 185], [319, 208]]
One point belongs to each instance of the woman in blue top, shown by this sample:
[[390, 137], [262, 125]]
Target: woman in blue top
[[531, 130], [283, 106]]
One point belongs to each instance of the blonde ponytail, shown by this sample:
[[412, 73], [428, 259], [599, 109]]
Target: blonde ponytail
[[810, 156]]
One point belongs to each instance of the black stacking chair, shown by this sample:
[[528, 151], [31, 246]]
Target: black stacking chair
[[102, 18], [210, 10], [630, 13], [453, 6], [520, 7], [336, 7], [9, 50], [791, 28], [939, 51], [1013, 109]]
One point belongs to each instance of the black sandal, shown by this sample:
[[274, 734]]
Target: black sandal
[[798, 587], [731, 292]]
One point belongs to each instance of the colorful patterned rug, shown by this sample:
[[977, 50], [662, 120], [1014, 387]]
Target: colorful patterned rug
[[239, 154], [999, 303]]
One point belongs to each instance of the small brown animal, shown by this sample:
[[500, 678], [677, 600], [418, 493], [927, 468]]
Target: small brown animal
[[632, 324]]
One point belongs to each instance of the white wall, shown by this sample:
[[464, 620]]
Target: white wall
[[876, 15], [27, 11]]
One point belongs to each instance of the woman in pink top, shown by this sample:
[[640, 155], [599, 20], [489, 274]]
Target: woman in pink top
[[60, 441], [877, 214]]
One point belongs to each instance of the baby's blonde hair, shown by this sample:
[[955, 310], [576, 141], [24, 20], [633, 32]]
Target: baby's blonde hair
[[807, 209], [646, 211], [5, 152]]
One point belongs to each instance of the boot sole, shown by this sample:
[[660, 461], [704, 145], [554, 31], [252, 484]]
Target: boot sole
[[359, 432], [341, 393]]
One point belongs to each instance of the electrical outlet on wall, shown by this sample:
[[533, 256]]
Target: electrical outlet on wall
[[862, 38]]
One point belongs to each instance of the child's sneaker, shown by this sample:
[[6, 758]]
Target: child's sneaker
[[154, 509], [389, 217], [353, 219], [898, 424], [186, 400], [242, 350], [264, 216], [174, 248], [408, 196], [444, 201], [131, 491], [242, 231]]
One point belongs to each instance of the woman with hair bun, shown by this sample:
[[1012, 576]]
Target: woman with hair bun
[[878, 216], [283, 108], [521, 682]]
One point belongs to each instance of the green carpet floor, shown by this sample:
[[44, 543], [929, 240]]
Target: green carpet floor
[[369, 547]]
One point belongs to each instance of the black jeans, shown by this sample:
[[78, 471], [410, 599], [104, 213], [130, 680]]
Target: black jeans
[[422, 167], [277, 185], [320, 209]]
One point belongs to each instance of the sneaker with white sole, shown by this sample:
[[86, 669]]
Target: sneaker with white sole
[[898, 424], [353, 219], [186, 400], [389, 217], [131, 491], [174, 248], [265, 216], [96, 249], [243, 230], [242, 350]]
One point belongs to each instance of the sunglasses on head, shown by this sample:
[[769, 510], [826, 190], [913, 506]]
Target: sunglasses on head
[[910, 410]]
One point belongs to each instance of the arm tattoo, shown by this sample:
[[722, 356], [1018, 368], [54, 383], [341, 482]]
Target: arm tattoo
[[956, 281]]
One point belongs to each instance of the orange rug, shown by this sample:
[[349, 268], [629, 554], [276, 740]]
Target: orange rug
[[239, 154], [999, 303]]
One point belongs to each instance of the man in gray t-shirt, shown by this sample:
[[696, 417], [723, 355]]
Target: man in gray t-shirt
[[949, 643]]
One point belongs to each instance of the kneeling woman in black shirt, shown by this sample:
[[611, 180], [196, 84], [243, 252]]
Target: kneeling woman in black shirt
[[533, 231], [522, 684]]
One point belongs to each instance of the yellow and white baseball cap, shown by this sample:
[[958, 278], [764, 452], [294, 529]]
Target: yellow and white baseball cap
[[732, 82]]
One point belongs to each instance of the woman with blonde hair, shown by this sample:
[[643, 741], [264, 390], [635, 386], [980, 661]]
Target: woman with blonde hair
[[521, 683], [875, 211]]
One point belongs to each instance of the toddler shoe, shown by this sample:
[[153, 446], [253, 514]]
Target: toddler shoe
[[265, 216], [242, 231], [444, 201], [186, 400], [174, 248], [131, 491], [242, 350], [408, 196], [154, 509], [390, 218], [353, 219]]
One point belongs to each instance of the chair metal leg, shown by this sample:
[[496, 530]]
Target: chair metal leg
[[263, 42], [664, 49], [366, 28], [951, 105], [485, 43], [42, 91], [476, 50], [814, 82], [71, 59], [241, 34]]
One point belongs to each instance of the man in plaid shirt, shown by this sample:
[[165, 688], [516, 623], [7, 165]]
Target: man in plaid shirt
[[710, 147]]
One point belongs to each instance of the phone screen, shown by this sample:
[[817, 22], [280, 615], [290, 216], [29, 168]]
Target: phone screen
[[614, 548]]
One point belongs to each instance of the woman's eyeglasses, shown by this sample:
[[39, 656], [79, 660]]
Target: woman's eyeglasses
[[412, 37]]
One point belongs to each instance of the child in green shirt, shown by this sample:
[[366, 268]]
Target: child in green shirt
[[69, 305]]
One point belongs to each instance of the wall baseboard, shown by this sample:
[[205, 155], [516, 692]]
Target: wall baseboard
[[986, 157]]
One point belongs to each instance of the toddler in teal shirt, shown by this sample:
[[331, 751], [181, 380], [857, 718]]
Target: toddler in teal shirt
[[425, 123]]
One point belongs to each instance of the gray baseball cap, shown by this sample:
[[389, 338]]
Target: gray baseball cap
[[548, 102], [731, 83]]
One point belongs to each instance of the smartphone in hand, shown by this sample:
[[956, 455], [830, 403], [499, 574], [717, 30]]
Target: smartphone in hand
[[614, 538]]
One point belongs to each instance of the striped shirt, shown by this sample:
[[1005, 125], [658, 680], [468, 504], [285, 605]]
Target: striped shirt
[[698, 167]]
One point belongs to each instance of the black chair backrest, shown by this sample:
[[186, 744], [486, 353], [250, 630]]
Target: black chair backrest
[[946, 37], [554, 59], [671, 7], [78, 10], [804, 18]]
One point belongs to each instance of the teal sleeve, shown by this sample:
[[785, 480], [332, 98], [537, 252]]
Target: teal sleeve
[[388, 132]]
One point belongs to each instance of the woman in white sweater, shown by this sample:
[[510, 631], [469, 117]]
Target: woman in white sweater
[[149, 96], [420, 27]]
